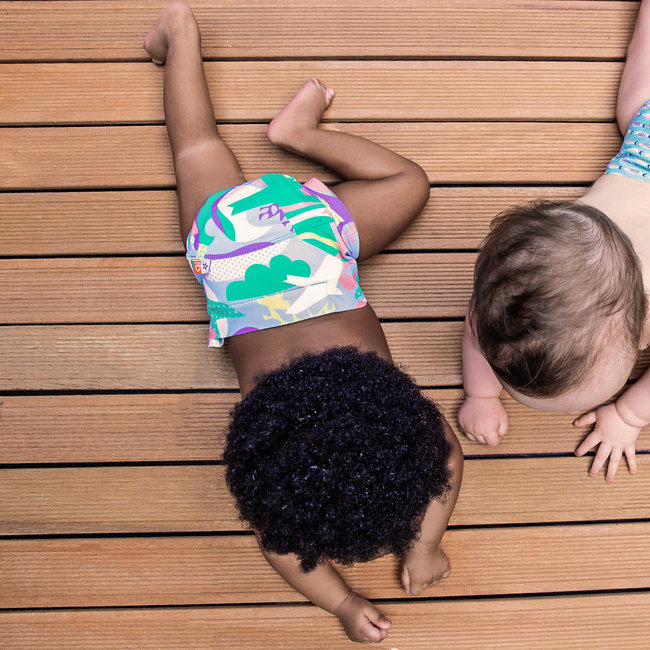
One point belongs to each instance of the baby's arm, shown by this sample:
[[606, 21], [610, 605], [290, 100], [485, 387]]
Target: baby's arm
[[362, 621], [481, 417], [617, 427], [425, 563]]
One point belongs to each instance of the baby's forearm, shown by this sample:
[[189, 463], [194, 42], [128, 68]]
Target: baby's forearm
[[479, 379], [633, 406], [323, 586], [437, 514]]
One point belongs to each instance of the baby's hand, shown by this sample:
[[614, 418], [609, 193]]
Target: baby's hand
[[423, 567], [483, 419], [615, 438], [362, 621]]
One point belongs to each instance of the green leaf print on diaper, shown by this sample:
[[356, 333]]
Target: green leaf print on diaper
[[261, 280], [222, 310]]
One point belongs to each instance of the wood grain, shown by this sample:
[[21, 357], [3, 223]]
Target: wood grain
[[174, 427], [41, 31], [154, 357], [254, 91], [454, 218], [202, 570], [96, 157], [78, 290], [113, 412], [560, 622], [176, 357], [156, 499]]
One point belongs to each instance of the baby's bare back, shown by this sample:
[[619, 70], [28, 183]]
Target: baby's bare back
[[258, 353], [626, 202]]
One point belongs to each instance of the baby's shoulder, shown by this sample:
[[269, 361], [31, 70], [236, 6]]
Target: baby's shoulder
[[626, 201]]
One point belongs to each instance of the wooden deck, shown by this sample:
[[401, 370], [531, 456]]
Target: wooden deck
[[116, 527]]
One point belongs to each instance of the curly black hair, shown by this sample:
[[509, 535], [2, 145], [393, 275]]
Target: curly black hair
[[335, 456]]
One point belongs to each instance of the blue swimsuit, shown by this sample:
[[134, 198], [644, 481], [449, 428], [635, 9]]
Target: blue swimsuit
[[633, 160]]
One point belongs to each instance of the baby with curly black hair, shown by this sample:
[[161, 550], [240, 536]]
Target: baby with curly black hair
[[333, 455]]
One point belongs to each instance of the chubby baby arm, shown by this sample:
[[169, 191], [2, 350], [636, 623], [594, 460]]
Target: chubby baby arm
[[616, 428], [425, 563], [324, 587], [481, 417]]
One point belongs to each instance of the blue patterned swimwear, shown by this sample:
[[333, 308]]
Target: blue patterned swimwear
[[633, 160], [272, 252]]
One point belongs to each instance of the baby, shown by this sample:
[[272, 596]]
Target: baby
[[333, 453], [559, 308]]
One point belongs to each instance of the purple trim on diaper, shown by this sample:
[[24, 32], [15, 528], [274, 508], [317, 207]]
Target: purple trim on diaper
[[250, 248], [214, 213], [245, 330], [337, 205]]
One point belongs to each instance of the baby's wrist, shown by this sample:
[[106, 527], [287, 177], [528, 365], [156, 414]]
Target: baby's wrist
[[627, 415], [484, 397], [337, 610], [432, 544]]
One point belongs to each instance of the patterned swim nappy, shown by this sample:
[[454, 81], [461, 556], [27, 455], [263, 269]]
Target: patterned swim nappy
[[633, 159], [272, 252]]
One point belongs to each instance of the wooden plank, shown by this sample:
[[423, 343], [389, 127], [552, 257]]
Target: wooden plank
[[455, 217], [114, 428], [83, 223], [100, 93], [606, 621], [161, 571], [107, 30], [138, 156], [192, 426], [119, 290], [110, 357], [173, 357], [157, 499]]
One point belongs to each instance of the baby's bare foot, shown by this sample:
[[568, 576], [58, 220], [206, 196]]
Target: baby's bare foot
[[156, 43], [301, 114]]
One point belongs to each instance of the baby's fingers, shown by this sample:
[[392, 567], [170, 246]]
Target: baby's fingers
[[377, 618], [377, 625], [614, 460], [630, 454], [588, 443], [493, 438], [406, 580], [601, 456], [584, 420]]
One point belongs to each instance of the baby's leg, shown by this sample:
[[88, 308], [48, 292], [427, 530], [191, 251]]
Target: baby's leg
[[383, 191], [202, 161], [634, 89]]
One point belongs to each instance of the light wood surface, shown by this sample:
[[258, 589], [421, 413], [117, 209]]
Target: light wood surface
[[557, 622], [571, 29], [75, 290], [454, 218], [134, 156], [116, 527], [90, 500], [93, 93], [210, 570], [175, 427], [153, 357]]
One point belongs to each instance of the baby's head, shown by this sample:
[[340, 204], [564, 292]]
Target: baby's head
[[335, 456], [558, 307]]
